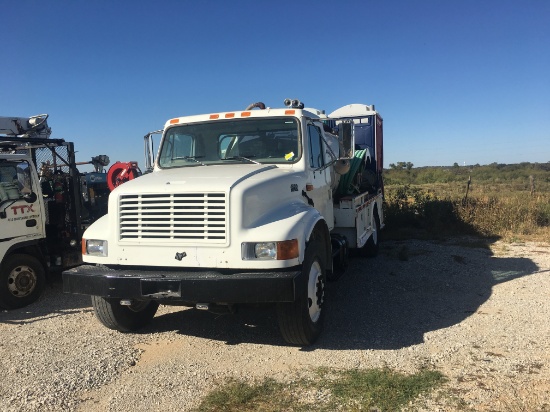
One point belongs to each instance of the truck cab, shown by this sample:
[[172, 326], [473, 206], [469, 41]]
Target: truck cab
[[240, 207], [41, 214], [21, 216]]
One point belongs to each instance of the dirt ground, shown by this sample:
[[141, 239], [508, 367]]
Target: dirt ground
[[478, 313]]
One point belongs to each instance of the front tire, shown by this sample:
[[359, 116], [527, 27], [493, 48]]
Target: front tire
[[123, 318], [22, 280], [301, 321]]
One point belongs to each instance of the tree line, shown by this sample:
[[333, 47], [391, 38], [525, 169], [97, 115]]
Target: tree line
[[405, 173]]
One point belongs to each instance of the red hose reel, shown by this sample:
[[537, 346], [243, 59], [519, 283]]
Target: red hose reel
[[122, 172]]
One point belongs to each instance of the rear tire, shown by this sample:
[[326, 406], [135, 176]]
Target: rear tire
[[373, 244], [22, 280], [301, 321], [115, 316], [340, 262]]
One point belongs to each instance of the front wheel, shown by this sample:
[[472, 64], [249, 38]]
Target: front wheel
[[124, 318], [301, 321], [22, 280]]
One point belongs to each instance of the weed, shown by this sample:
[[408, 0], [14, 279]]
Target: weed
[[494, 211], [521, 400], [328, 390], [380, 389], [267, 395]]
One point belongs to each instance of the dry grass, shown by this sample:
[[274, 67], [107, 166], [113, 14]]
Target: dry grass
[[506, 211]]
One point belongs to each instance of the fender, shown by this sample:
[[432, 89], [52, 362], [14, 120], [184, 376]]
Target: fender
[[35, 247], [294, 220], [99, 229], [310, 221], [25, 244], [320, 228]]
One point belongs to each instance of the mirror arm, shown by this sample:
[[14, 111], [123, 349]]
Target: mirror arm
[[3, 214]]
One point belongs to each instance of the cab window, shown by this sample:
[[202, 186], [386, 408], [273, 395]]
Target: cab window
[[316, 159], [14, 180], [177, 148]]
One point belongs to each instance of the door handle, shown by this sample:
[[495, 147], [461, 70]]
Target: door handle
[[30, 223]]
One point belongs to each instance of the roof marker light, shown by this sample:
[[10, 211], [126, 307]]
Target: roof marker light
[[245, 114], [290, 111], [174, 121], [229, 115], [214, 116]]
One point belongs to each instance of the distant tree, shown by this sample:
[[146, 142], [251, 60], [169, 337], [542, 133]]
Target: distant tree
[[455, 165], [401, 166]]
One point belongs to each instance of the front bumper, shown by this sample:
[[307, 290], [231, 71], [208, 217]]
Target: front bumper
[[190, 287]]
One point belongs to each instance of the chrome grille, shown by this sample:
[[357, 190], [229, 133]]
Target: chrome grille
[[196, 217]]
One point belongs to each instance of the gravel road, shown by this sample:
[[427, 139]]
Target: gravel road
[[479, 315]]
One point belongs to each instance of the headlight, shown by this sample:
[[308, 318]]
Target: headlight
[[267, 250], [285, 250], [95, 247]]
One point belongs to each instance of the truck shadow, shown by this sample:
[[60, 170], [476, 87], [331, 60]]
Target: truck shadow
[[52, 304], [389, 302], [250, 324], [413, 288]]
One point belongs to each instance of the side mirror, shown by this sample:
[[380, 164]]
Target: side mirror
[[150, 150], [346, 136], [30, 197]]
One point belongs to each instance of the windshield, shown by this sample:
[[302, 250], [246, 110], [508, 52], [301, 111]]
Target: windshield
[[14, 180], [258, 140]]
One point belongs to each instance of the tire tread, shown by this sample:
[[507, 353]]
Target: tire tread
[[294, 323], [117, 317]]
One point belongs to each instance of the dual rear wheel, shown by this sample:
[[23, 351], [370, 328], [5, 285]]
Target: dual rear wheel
[[22, 281], [373, 244]]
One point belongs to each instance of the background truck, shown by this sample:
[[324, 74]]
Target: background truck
[[245, 207], [45, 205]]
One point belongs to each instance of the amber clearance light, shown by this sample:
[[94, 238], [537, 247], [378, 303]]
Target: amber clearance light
[[288, 249]]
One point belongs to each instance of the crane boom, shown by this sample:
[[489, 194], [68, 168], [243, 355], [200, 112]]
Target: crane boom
[[25, 127]]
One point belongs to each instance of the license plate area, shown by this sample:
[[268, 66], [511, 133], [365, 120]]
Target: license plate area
[[155, 288]]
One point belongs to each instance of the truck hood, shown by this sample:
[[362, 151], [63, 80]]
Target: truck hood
[[214, 178]]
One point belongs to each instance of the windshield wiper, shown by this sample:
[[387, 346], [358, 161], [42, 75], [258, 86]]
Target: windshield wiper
[[242, 158], [193, 158]]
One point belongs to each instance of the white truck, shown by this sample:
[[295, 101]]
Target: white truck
[[41, 214], [246, 207]]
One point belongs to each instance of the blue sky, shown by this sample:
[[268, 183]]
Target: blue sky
[[455, 81]]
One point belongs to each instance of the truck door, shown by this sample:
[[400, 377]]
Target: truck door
[[20, 219], [319, 175]]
